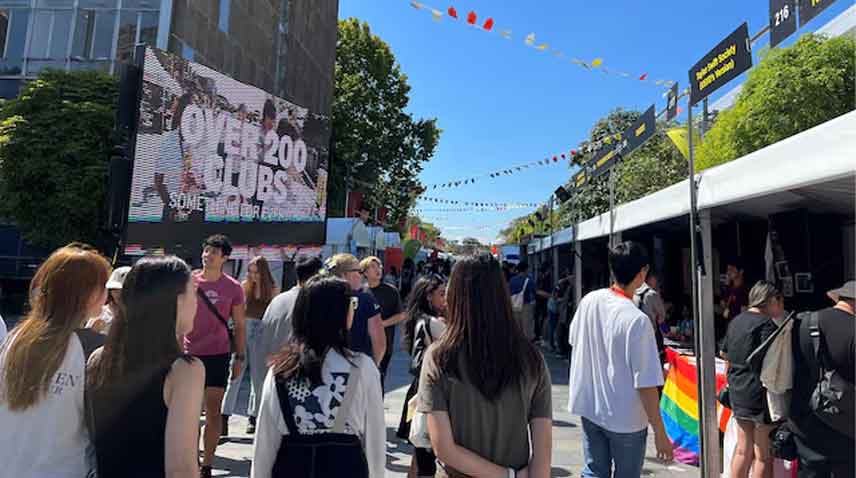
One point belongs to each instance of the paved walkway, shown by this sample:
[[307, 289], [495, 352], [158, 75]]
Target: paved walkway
[[233, 458]]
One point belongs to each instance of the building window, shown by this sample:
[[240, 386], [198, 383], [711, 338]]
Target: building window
[[17, 22], [225, 7], [134, 28], [51, 30], [186, 52]]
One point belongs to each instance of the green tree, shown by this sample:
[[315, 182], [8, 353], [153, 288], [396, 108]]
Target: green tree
[[379, 148], [791, 90], [55, 142]]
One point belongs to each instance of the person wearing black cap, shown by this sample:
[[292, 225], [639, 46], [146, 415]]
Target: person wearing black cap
[[823, 451]]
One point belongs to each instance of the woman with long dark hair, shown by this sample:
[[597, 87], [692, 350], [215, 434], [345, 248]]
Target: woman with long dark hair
[[484, 386], [42, 365], [424, 326], [259, 289], [146, 394], [322, 409]]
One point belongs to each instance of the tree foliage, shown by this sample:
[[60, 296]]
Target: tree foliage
[[55, 142], [654, 166], [379, 148], [791, 90]]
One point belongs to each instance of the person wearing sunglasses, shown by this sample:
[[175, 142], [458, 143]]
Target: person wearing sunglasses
[[367, 335]]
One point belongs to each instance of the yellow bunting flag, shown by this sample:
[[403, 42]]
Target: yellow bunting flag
[[543, 46], [597, 62], [436, 15], [506, 34], [680, 138]]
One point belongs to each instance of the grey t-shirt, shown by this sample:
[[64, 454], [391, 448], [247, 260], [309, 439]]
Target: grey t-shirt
[[276, 323], [496, 430]]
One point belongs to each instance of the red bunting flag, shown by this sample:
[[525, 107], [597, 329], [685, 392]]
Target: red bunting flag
[[471, 18], [555, 159], [453, 13], [573, 152], [488, 25], [643, 77]]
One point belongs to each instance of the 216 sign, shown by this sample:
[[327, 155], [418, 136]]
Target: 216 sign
[[783, 20]]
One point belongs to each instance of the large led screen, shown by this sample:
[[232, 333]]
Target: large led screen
[[214, 155]]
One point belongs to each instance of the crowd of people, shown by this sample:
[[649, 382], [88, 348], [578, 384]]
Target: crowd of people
[[111, 370]]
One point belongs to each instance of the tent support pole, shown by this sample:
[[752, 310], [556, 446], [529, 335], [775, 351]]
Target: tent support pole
[[705, 347]]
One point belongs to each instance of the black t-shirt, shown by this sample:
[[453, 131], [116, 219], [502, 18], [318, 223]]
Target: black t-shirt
[[745, 333], [366, 309], [839, 335], [388, 298]]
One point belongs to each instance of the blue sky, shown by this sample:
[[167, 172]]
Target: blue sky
[[501, 103]]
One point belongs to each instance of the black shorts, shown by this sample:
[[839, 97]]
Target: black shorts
[[216, 369]]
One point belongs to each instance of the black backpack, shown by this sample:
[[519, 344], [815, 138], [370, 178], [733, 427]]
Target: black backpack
[[833, 397]]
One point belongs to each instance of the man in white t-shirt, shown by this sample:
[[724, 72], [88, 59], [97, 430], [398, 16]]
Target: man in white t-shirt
[[615, 372]]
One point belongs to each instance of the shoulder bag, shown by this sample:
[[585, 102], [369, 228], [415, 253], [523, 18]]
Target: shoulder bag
[[216, 313], [832, 400], [518, 300]]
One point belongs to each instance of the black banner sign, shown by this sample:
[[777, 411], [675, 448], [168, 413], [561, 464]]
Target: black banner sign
[[783, 20], [812, 8], [634, 137], [672, 105], [731, 57], [580, 178], [562, 194]]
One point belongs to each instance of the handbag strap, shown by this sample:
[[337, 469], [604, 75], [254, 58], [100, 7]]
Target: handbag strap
[[816, 336], [211, 307], [347, 401]]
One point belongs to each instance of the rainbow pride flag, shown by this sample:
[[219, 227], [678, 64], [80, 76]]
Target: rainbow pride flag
[[679, 406]]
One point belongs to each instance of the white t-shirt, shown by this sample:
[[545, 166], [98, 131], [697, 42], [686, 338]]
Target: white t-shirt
[[614, 354], [317, 412], [49, 439]]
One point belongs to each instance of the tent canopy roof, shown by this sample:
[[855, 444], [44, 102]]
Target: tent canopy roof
[[813, 169]]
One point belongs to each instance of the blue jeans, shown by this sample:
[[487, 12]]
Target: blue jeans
[[255, 363], [552, 321], [603, 449]]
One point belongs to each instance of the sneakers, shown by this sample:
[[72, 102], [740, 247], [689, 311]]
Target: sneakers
[[204, 472], [224, 432], [251, 427]]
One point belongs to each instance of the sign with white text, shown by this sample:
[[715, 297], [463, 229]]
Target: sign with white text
[[783, 20]]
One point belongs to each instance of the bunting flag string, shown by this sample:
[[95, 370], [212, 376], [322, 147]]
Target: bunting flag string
[[507, 171], [530, 40], [499, 205]]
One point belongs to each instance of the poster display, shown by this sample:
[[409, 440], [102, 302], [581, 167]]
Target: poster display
[[214, 155], [731, 57]]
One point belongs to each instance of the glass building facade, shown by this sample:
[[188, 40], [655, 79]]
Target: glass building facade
[[286, 47], [70, 35]]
